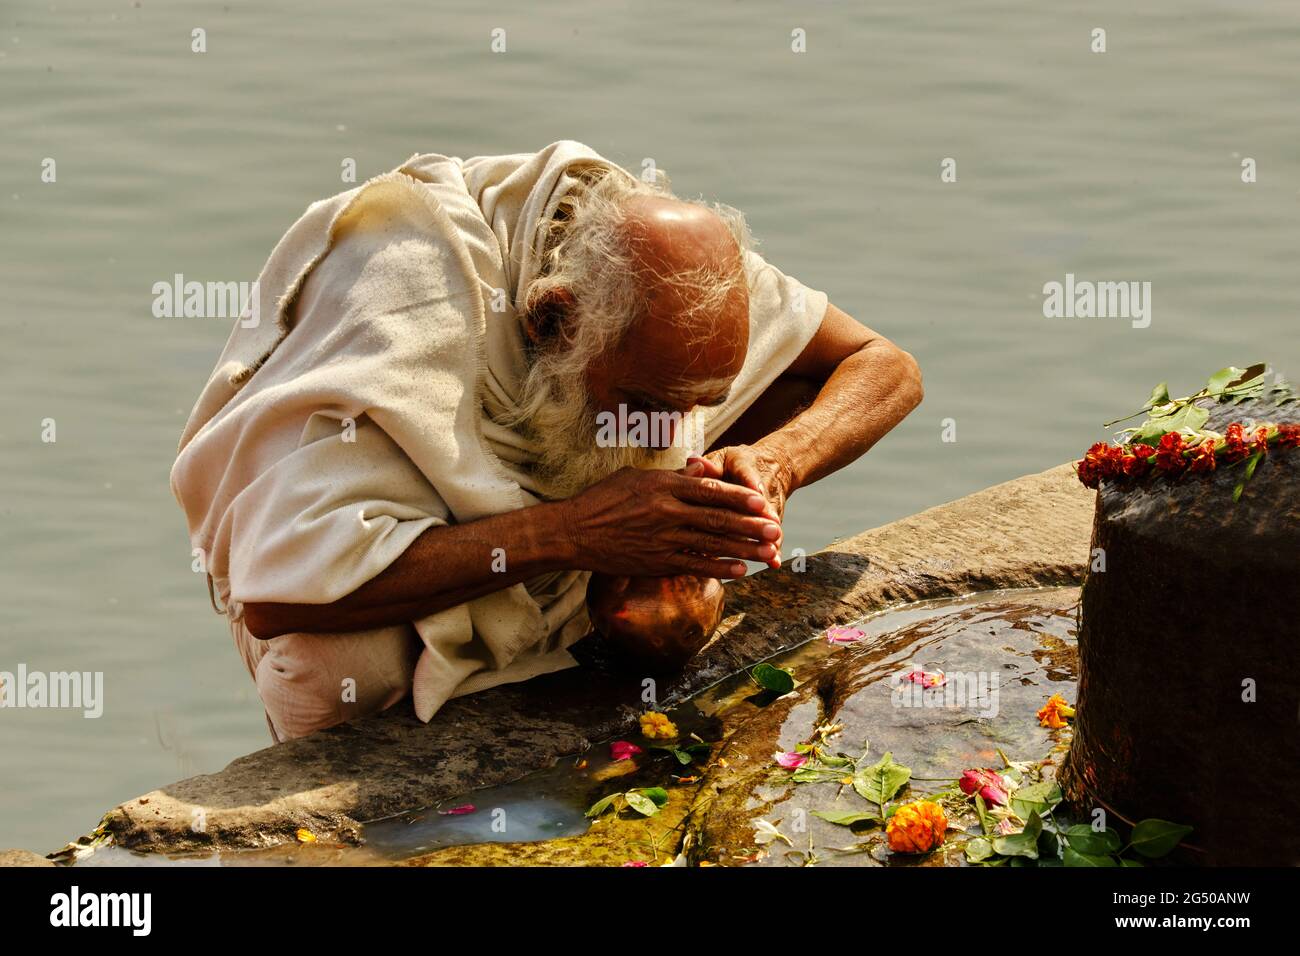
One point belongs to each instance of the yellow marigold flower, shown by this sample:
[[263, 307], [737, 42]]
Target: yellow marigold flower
[[916, 827], [655, 725], [305, 836], [1054, 712]]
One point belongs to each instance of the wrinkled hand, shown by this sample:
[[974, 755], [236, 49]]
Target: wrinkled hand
[[752, 468], [651, 522]]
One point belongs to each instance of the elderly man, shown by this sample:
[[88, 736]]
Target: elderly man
[[415, 446]]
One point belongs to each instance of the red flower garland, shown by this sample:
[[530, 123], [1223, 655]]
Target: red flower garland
[[1174, 455]]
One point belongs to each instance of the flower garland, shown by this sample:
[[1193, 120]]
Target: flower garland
[[1176, 454], [1174, 439]]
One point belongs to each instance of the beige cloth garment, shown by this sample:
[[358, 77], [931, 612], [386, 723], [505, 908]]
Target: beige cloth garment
[[352, 407]]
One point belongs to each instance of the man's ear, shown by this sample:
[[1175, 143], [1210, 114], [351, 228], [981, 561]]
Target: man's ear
[[547, 314]]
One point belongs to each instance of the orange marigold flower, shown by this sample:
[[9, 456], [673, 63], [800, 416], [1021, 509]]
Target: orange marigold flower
[[1288, 436], [916, 827], [1053, 713], [1259, 440], [656, 725]]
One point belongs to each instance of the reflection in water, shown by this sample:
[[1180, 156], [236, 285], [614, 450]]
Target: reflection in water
[[1022, 631]]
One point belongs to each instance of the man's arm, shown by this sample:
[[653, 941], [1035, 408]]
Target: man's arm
[[634, 522], [864, 385]]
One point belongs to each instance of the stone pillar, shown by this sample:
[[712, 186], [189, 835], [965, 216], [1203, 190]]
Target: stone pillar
[[1196, 613]]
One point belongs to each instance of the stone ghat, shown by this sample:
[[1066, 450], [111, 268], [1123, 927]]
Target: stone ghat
[[1029, 532]]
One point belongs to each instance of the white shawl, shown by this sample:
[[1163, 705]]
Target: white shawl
[[356, 410]]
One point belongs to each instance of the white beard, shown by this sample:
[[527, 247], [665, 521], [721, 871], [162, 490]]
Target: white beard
[[558, 415]]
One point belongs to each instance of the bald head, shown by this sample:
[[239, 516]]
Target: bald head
[[690, 339], [641, 306]]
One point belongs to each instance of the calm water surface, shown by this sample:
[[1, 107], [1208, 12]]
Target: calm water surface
[[1116, 166]]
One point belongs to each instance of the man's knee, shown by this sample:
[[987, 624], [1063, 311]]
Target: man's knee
[[308, 682]]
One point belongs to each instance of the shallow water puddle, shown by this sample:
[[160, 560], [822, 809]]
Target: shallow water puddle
[[541, 818]]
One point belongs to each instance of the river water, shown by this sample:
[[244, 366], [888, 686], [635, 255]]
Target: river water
[[1117, 166]]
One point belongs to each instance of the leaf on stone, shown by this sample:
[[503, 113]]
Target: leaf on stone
[[1251, 464], [882, 780], [1073, 857], [846, 818], [642, 803], [1024, 843], [771, 678], [1157, 838], [1230, 381], [1186, 418], [978, 850], [981, 808], [1248, 378], [603, 804], [1035, 799], [1084, 839]]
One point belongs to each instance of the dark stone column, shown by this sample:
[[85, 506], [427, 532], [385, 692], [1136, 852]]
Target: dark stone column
[[1199, 596]]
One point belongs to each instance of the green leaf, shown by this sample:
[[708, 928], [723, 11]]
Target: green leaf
[[1186, 418], [1249, 379], [771, 678], [986, 824], [600, 806], [1127, 862], [879, 782], [1024, 843], [1156, 838], [1232, 381], [658, 794], [685, 754], [978, 850], [1048, 845], [1035, 799], [815, 775], [1220, 379], [1073, 857], [846, 818], [1159, 395], [1251, 463], [641, 803], [1084, 839]]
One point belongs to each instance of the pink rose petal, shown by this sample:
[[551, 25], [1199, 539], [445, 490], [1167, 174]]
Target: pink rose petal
[[791, 759], [624, 750], [926, 679], [844, 635]]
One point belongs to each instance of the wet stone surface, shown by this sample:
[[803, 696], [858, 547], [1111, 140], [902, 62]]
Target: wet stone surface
[[1026, 533], [1002, 660], [1003, 653]]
